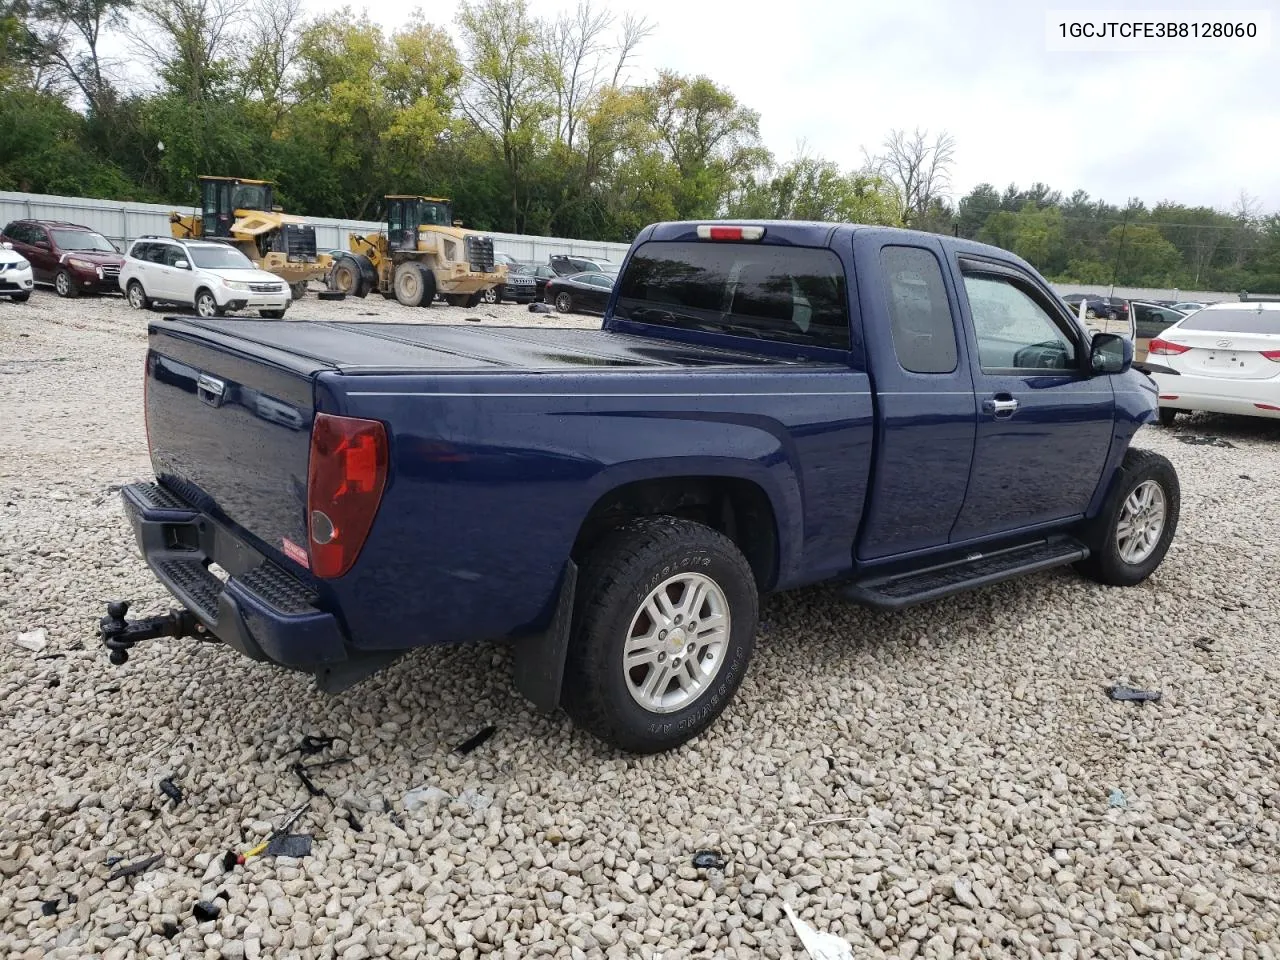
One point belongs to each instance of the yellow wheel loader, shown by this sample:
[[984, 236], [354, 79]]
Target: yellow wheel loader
[[424, 252], [243, 213]]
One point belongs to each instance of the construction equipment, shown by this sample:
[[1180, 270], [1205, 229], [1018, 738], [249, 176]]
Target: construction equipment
[[243, 213], [423, 252]]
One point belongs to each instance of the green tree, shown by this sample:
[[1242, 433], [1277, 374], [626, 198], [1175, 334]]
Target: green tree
[[1142, 257]]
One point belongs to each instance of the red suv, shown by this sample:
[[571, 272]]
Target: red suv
[[73, 258]]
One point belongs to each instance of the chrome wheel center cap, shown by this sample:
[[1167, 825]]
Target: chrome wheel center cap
[[677, 637]]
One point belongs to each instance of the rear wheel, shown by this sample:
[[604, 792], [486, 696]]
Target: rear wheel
[[1131, 534], [299, 290], [456, 299], [271, 314], [414, 285], [1091, 314], [491, 295], [65, 285], [207, 306], [138, 298], [664, 628], [473, 300], [564, 303], [345, 278], [1167, 416]]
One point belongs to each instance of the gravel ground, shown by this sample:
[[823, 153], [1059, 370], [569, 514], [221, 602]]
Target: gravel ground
[[992, 801]]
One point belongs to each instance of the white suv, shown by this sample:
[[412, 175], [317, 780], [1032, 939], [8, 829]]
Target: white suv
[[15, 274], [213, 277]]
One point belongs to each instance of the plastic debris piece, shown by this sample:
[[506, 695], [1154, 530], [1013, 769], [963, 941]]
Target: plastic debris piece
[[139, 866], [474, 799], [229, 860], [1117, 799], [471, 743], [1202, 441], [54, 682], [169, 929], [536, 307], [33, 640], [355, 824], [419, 797], [471, 319], [206, 910], [1133, 694], [312, 745], [819, 946], [170, 790], [49, 907], [290, 845], [307, 782], [708, 860], [1204, 643]]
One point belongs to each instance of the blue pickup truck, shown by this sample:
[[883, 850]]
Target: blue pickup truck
[[766, 405]]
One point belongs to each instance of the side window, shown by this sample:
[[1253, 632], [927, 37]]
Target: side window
[[173, 254], [139, 250], [924, 337], [157, 251], [1151, 321], [12, 232], [1014, 332]]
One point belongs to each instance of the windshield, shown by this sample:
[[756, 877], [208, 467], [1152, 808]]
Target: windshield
[[219, 258], [251, 196], [436, 214], [1233, 321], [81, 240]]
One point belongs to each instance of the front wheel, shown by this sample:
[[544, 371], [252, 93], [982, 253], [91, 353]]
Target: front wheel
[[564, 303], [1132, 533], [664, 628], [271, 314], [65, 285], [491, 295], [1167, 416], [298, 290], [138, 298], [20, 297], [207, 306]]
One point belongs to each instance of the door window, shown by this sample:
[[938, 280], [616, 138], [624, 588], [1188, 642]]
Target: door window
[[1014, 331], [157, 252], [924, 338], [173, 254]]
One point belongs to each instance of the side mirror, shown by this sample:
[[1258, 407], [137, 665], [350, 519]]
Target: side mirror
[[1110, 353], [182, 265], [7, 245]]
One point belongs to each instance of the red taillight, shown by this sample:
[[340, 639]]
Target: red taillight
[[710, 231], [1168, 396], [1272, 355], [1266, 406], [345, 480], [146, 398], [1163, 348]]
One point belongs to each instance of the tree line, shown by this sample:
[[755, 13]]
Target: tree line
[[531, 125]]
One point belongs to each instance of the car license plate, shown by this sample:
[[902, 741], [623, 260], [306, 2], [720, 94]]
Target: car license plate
[[1222, 359]]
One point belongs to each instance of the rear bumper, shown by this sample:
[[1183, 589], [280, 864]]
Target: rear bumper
[[261, 610], [1250, 398]]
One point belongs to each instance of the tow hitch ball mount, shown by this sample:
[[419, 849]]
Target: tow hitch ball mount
[[119, 634]]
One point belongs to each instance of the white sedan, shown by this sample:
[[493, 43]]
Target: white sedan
[[1224, 359]]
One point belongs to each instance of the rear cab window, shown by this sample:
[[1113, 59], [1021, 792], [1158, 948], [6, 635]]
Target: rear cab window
[[923, 334], [784, 294]]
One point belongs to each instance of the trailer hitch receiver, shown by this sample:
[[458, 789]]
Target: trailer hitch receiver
[[119, 635]]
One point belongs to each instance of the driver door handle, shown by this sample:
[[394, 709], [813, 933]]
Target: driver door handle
[[1002, 406]]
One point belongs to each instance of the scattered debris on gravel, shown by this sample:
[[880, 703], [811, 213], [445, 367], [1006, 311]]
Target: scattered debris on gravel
[[932, 783]]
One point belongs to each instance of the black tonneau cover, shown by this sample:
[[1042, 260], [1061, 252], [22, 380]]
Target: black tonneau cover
[[386, 348]]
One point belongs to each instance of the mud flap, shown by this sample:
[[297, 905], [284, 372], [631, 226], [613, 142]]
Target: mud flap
[[539, 659]]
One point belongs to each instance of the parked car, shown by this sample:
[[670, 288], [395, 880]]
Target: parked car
[[1149, 320], [15, 274], [541, 273], [213, 277], [1223, 359], [566, 266], [1188, 306], [767, 405], [519, 287], [580, 293], [71, 257], [1097, 307]]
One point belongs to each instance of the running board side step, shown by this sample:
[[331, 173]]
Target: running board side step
[[907, 588]]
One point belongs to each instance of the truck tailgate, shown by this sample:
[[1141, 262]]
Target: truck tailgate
[[229, 424]]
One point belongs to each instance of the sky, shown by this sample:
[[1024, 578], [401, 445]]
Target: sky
[[1195, 126]]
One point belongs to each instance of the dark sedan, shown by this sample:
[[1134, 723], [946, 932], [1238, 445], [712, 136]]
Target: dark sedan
[[1106, 308], [541, 273], [580, 293]]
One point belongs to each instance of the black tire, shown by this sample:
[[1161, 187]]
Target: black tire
[[1168, 415], [564, 302], [1105, 563], [64, 285], [456, 299], [299, 290], [271, 314], [491, 295], [206, 305], [137, 296], [616, 579], [345, 277], [20, 297], [413, 284], [1091, 313], [428, 285], [473, 300]]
